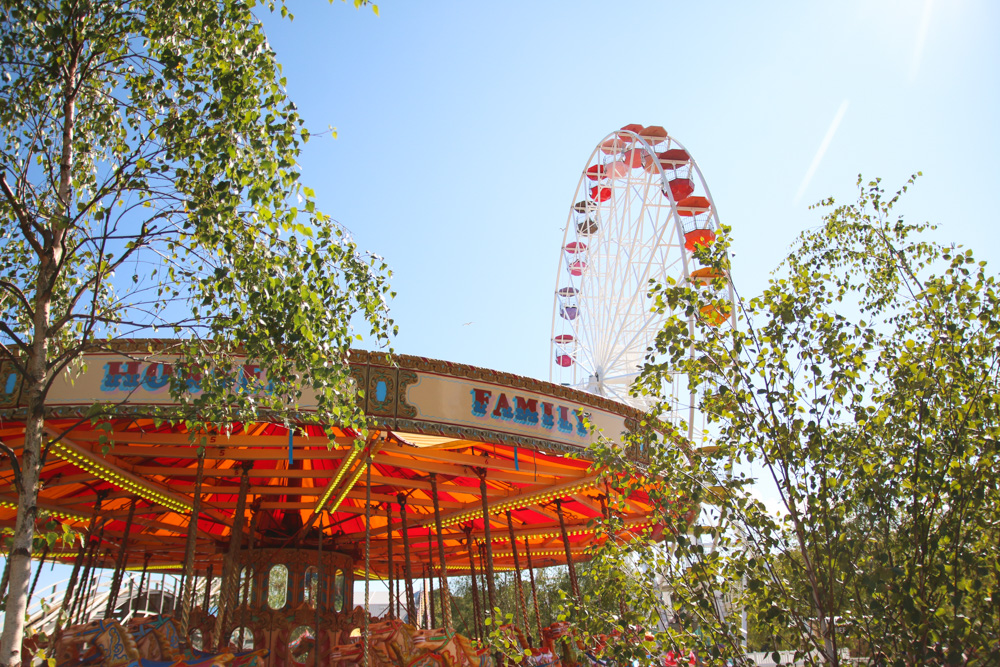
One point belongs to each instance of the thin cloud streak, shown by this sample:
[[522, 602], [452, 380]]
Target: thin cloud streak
[[918, 47], [831, 131]]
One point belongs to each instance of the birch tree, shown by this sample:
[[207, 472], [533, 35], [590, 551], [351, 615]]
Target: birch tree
[[149, 187]]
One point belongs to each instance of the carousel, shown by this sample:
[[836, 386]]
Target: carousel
[[465, 471]]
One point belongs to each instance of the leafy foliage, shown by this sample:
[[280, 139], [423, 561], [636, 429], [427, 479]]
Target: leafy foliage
[[860, 391]]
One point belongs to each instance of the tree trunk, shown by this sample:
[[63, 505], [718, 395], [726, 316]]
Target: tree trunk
[[24, 532], [30, 464], [35, 381]]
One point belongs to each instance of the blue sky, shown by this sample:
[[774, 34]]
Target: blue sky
[[463, 128]]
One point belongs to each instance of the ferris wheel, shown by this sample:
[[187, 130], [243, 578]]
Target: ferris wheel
[[640, 209]]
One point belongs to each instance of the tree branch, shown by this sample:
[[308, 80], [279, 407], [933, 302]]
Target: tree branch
[[16, 291], [22, 218], [17, 341], [15, 466]]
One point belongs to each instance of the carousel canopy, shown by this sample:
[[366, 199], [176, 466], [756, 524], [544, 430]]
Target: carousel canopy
[[441, 433]]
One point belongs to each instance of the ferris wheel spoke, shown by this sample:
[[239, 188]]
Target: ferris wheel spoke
[[634, 340], [640, 293], [625, 278]]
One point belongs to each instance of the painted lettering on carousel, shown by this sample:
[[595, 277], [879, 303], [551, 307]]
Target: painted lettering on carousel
[[492, 404], [128, 376]]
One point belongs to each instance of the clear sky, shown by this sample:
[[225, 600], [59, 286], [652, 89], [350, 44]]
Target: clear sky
[[463, 128]]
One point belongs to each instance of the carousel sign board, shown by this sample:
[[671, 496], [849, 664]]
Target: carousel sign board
[[405, 394]]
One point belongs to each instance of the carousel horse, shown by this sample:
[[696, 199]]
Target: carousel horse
[[118, 649], [392, 641], [454, 649], [302, 647], [391, 644], [145, 639], [170, 646], [352, 655], [542, 656], [561, 634], [339, 654], [440, 642], [156, 639], [478, 656], [71, 646], [591, 654], [402, 645]]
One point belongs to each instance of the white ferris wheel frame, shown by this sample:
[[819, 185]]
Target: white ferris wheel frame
[[615, 324]]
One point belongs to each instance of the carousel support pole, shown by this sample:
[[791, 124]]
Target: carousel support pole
[[95, 582], [388, 544], [428, 600], [519, 600], [430, 580], [98, 575], [81, 590], [187, 592], [365, 630], [475, 590], [318, 597], [34, 582], [398, 613], [606, 518], [84, 593], [71, 586], [142, 580], [573, 584], [489, 544], [534, 591], [249, 569], [411, 606], [230, 568], [116, 581], [482, 570], [445, 593], [208, 590]]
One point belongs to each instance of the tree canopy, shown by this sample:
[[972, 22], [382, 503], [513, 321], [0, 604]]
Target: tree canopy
[[860, 395], [149, 187]]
